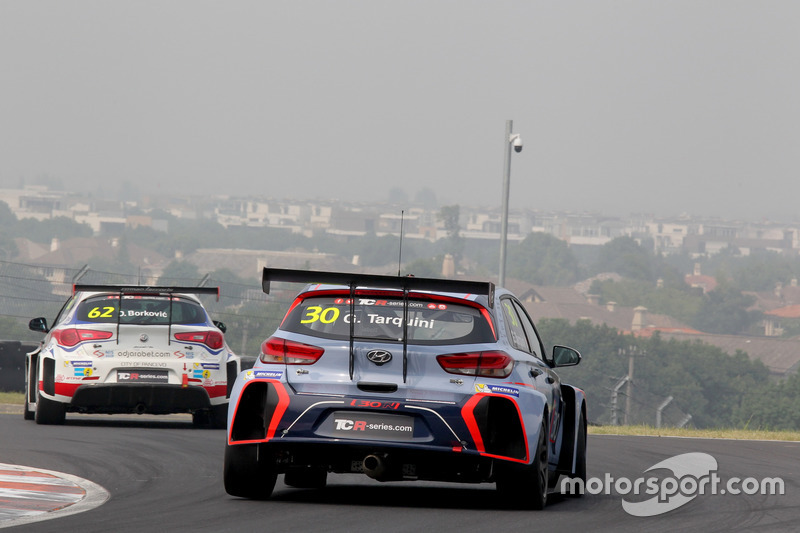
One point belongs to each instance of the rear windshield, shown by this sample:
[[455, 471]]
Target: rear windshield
[[429, 321], [140, 310]]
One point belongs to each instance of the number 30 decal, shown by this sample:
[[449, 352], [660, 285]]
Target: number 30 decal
[[326, 316]]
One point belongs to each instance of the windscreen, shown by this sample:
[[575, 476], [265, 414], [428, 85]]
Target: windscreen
[[428, 321], [140, 310]]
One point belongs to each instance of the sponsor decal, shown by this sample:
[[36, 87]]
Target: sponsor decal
[[264, 374], [201, 374], [142, 376], [83, 372], [496, 389], [143, 353], [179, 354], [368, 425], [81, 363], [143, 364]]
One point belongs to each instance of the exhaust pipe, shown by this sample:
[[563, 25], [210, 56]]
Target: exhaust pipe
[[374, 466], [140, 408]]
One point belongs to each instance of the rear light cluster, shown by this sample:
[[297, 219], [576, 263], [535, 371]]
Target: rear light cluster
[[72, 336], [493, 364], [212, 339], [280, 351]]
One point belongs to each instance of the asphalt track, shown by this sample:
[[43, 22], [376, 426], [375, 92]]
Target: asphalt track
[[161, 473]]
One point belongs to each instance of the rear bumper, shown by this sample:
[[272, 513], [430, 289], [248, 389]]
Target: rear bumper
[[442, 439], [139, 398]]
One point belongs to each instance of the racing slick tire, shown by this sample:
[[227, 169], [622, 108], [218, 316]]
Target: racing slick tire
[[219, 416], [49, 412], [215, 418], [27, 413], [245, 475], [309, 478], [525, 486]]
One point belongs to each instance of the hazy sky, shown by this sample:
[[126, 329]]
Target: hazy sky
[[624, 106]]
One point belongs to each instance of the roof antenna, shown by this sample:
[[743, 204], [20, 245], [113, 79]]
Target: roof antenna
[[400, 256]]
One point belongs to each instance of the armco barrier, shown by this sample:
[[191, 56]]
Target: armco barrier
[[12, 364]]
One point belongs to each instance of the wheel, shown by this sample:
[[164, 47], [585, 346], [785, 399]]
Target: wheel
[[218, 418], [26, 411], [525, 486], [49, 411], [246, 474], [215, 418], [307, 478]]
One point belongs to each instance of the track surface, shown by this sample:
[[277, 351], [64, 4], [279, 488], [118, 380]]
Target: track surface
[[165, 474]]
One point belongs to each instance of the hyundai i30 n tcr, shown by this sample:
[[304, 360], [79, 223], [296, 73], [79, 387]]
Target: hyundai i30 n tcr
[[404, 378]]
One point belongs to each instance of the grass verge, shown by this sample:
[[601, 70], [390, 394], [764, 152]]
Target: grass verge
[[12, 397], [739, 434]]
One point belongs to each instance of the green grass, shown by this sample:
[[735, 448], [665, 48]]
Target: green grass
[[739, 434], [12, 397]]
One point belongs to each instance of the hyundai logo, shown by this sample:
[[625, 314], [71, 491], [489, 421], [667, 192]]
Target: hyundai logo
[[379, 357]]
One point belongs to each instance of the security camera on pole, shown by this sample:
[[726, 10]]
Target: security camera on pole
[[511, 139]]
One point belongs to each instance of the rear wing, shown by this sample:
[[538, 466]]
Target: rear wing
[[145, 289], [377, 281]]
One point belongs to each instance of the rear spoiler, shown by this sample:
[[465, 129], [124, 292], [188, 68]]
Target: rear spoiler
[[377, 281], [146, 289]]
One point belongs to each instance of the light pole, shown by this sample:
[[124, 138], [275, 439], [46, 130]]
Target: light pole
[[514, 140]]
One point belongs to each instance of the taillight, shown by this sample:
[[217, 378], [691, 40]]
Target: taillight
[[212, 339], [493, 364], [280, 351], [72, 336]]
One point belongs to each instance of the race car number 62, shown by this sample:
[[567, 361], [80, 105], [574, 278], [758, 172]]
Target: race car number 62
[[96, 313], [326, 316]]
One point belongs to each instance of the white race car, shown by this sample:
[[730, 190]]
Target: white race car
[[129, 349]]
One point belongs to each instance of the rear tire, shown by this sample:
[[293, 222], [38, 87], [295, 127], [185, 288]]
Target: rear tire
[[219, 416], [49, 412], [525, 486], [246, 474], [27, 413]]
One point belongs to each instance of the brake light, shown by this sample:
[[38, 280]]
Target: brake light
[[212, 339], [72, 336], [494, 364], [280, 351]]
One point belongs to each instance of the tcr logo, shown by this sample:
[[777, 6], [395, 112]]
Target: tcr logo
[[350, 425], [128, 375]]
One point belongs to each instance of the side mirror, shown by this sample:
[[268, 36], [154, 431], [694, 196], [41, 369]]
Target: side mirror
[[38, 324], [222, 327], [564, 356]]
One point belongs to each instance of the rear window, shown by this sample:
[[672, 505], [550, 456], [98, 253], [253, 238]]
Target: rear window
[[140, 310], [429, 321]]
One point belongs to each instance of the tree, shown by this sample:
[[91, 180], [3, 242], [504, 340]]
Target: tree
[[180, 273], [625, 257], [543, 260], [453, 244]]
